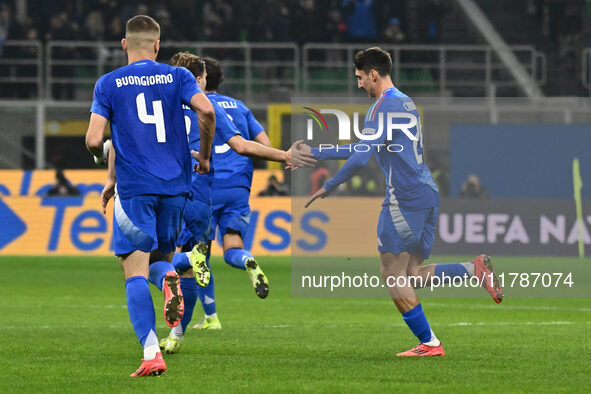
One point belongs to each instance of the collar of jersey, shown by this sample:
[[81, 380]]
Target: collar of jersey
[[141, 61], [386, 91]]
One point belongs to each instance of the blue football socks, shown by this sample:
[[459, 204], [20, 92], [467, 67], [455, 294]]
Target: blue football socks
[[451, 270], [206, 294], [157, 272], [181, 262], [237, 257], [141, 310], [207, 297], [418, 324], [190, 290]]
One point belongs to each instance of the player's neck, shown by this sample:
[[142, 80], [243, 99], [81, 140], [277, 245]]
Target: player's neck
[[382, 85], [137, 56]]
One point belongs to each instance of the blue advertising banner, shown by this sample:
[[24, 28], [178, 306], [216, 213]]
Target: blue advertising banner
[[521, 161]]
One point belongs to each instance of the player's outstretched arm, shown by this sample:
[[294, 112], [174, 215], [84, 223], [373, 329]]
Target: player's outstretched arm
[[263, 138], [357, 161], [353, 164], [95, 134], [206, 116], [254, 149]]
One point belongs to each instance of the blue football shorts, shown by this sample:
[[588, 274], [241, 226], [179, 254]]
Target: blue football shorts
[[147, 223], [231, 211], [196, 223], [184, 237], [402, 230]]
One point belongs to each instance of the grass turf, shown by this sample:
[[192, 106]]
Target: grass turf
[[64, 328]]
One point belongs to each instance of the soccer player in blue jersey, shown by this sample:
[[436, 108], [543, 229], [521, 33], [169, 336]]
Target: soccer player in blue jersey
[[406, 226], [198, 213], [151, 165], [231, 193]]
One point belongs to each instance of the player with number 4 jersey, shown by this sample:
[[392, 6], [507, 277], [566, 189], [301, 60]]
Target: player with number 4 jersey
[[150, 163]]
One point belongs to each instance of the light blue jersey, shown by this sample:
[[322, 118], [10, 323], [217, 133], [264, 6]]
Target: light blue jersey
[[409, 212], [408, 180], [143, 102], [232, 169]]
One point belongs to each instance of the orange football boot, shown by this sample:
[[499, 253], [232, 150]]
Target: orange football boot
[[483, 270], [422, 350], [153, 367]]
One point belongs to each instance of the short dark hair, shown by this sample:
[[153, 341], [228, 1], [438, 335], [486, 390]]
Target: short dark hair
[[189, 61], [215, 74], [374, 59], [142, 24]]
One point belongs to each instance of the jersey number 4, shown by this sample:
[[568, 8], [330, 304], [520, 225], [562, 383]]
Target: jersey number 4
[[156, 119]]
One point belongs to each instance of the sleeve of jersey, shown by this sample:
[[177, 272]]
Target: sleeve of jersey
[[100, 102], [254, 126], [189, 86], [224, 126], [352, 165]]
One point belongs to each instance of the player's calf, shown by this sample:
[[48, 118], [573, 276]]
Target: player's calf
[[481, 267]]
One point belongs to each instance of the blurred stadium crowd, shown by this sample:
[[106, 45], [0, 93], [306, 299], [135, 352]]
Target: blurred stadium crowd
[[558, 28], [300, 21]]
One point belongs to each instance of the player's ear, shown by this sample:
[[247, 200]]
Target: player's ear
[[156, 46], [373, 74], [124, 44]]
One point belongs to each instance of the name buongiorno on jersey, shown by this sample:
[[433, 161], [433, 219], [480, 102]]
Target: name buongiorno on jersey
[[144, 80]]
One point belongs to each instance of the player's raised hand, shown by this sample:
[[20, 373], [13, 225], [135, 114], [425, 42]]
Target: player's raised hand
[[107, 193], [299, 155], [320, 193]]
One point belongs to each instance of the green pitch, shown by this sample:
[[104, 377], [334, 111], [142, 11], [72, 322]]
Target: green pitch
[[64, 328]]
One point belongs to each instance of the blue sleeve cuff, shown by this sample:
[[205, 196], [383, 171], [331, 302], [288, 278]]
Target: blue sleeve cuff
[[330, 185], [100, 110]]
